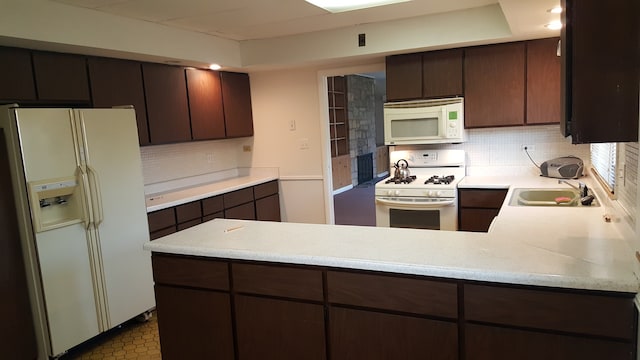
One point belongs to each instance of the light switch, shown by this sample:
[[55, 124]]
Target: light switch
[[292, 124]]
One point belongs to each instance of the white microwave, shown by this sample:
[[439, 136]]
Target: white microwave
[[435, 121]]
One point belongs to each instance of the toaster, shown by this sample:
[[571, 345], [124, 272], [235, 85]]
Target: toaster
[[566, 167]]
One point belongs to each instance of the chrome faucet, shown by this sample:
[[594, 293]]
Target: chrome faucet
[[584, 190]]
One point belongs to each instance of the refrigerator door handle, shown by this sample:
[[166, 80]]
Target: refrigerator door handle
[[96, 196], [87, 216]]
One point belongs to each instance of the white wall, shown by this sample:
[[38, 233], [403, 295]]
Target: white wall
[[280, 98]]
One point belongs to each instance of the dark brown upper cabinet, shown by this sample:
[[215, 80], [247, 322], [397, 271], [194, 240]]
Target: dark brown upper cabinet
[[442, 73], [494, 85], [205, 104], [543, 81], [61, 77], [167, 107], [600, 70], [117, 82], [236, 98], [16, 75], [404, 77]]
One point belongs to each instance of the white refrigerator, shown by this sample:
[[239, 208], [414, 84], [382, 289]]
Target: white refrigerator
[[77, 180]]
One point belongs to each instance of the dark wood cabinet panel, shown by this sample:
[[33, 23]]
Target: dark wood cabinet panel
[[298, 283], [561, 311], [161, 219], [190, 272], [442, 73], [188, 211], [188, 224], [543, 81], [478, 220], [243, 212], [266, 189], [16, 75], [269, 329], [212, 205], [237, 197], [117, 82], [162, 232], [600, 71], [494, 85], [268, 208], [493, 343], [482, 198], [478, 208], [205, 104], [61, 77], [236, 98], [17, 335], [404, 77], [393, 293], [167, 108], [356, 334], [201, 330]]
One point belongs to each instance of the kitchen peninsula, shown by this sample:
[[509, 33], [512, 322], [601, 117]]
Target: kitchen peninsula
[[540, 284]]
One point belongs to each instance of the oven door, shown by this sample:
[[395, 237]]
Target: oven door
[[417, 213]]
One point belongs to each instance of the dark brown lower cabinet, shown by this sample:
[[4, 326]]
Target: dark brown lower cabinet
[[359, 334], [280, 311], [279, 329], [496, 343], [243, 212], [194, 324], [268, 208]]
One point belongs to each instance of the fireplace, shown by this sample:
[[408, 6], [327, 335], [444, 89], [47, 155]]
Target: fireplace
[[365, 168]]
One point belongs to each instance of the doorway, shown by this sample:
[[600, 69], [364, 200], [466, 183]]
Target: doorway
[[356, 142]]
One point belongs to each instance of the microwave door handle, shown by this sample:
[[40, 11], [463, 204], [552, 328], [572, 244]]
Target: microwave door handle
[[413, 205]]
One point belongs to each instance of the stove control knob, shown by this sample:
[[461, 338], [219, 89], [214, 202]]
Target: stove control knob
[[430, 193], [438, 193]]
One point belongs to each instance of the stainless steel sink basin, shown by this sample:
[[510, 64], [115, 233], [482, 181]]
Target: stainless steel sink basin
[[548, 197]]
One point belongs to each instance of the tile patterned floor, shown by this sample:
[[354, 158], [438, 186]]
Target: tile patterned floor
[[133, 340]]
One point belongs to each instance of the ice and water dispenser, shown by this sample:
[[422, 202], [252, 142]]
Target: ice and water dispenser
[[55, 203]]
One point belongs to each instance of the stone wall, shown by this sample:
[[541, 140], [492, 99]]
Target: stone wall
[[361, 115]]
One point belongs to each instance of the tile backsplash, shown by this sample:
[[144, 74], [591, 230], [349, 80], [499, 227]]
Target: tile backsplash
[[173, 161], [498, 151]]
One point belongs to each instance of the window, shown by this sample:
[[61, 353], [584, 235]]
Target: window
[[603, 160]]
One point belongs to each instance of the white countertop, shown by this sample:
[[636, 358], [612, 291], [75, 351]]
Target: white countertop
[[164, 195], [543, 246]]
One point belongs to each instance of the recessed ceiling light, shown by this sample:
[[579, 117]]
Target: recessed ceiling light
[[215, 67], [336, 6], [554, 25], [555, 10]]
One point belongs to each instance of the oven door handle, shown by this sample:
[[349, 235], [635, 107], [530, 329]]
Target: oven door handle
[[416, 205]]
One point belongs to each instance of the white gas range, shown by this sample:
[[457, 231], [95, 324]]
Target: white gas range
[[427, 199]]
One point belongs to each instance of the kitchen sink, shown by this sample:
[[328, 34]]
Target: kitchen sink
[[548, 197]]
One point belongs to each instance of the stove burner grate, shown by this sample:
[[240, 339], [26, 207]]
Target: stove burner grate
[[398, 180], [437, 180]]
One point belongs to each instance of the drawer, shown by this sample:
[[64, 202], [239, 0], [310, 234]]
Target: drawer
[[189, 211], [188, 224], [243, 212], [161, 219], [393, 293], [266, 189], [237, 197], [163, 232], [278, 281], [482, 198], [218, 215], [191, 272], [212, 205], [551, 310]]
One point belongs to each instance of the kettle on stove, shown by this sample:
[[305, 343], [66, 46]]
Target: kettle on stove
[[402, 170]]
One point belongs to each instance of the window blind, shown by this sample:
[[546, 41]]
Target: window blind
[[603, 160], [628, 181]]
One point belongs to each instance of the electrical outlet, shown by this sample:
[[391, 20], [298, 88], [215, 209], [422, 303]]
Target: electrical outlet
[[246, 148], [529, 148], [210, 157]]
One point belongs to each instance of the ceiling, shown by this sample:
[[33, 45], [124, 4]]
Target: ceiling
[[262, 19]]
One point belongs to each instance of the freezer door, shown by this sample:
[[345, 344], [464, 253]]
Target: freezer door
[[62, 256], [113, 164]]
